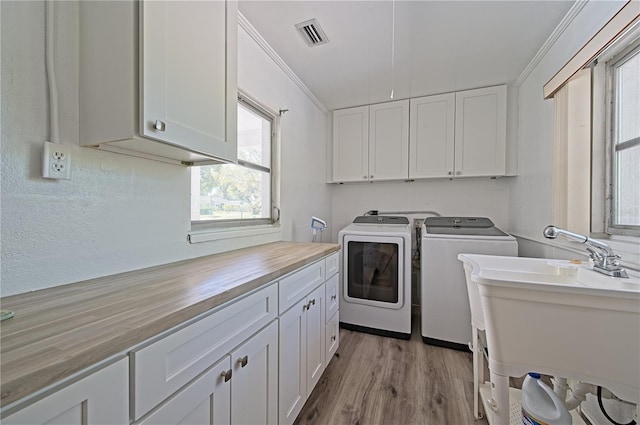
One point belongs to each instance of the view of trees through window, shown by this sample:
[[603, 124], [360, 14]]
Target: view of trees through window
[[237, 191]]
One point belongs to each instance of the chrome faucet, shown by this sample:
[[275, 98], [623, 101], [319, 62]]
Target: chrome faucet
[[604, 259]]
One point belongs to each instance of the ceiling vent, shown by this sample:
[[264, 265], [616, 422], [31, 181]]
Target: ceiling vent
[[312, 33]]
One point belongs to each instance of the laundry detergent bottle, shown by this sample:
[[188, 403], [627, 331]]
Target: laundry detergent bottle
[[540, 405]]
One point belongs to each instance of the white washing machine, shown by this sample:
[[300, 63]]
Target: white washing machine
[[444, 303], [375, 285]]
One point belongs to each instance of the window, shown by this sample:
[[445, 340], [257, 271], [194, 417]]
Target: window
[[624, 131], [239, 194]]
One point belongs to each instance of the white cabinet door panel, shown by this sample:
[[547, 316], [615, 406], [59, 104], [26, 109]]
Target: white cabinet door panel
[[432, 136], [332, 337], [207, 400], [254, 387], [184, 75], [293, 363], [351, 144], [315, 337], [100, 398], [480, 139], [389, 140]]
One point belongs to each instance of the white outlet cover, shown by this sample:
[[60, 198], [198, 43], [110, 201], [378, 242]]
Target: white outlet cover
[[56, 161]]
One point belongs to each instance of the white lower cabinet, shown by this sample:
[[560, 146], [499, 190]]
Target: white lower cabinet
[[235, 365], [254, 384], [100, 398], [308, 340], [302, 356], [239, 389], [332, 336], [207, 400]]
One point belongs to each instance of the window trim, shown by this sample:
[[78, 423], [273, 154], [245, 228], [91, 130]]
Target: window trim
[[612, 60], [238, 227]]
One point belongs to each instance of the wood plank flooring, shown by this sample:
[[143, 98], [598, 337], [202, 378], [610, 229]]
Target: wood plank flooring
[[374, 380]]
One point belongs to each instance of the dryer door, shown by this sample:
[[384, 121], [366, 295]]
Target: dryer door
[[374, 270]]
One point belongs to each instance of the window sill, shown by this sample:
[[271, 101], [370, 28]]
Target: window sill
[[198, 236]]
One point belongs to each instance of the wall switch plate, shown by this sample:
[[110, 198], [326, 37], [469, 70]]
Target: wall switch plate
[[56, 161]]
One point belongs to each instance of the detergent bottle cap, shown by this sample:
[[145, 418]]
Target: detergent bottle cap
[[534, 375]]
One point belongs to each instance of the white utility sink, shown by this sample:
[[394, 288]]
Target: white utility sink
[[557, 318]]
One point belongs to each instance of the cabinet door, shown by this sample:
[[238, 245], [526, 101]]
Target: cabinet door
[[100, 398], [432, 136], [188, 68], [254, 390], [389, 140], [351, 144], [207, 400], [315, 337], [481, 129], [293, 363], [332, 336]]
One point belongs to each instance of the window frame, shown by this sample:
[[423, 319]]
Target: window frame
[[273, 220], [610, 86]]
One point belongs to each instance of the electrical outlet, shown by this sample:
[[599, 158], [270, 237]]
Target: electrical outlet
[[56, 161]]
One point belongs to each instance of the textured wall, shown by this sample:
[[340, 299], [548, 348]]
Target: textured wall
[[120, 213]]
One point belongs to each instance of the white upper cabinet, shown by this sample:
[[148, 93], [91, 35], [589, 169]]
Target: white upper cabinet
[[389, 140], [481, 132], [451, 135], [185, 80], [158, 79], [351, 144], [371, 142], [432, 136]]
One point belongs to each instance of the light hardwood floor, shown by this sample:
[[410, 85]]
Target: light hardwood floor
[[374, 380]]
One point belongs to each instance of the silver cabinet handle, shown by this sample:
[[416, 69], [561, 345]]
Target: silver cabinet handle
[[333, 297], [159, 125], [371, 176], [226, 375], [333, 338], [450, 172], [312, 302], [305, 307], [243, 361]]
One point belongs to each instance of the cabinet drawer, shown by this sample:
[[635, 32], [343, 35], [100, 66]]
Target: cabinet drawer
[[168, 364], [296, 286], [332, 264], [331, 297], [332, 335]]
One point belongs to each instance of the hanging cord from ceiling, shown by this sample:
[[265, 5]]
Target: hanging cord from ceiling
[[393, 43]]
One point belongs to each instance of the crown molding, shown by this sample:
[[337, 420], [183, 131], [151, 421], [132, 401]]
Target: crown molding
[[557, 32], [255, 35]]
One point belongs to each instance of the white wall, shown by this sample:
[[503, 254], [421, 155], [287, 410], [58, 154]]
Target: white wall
[[530, 192], [120, 213]]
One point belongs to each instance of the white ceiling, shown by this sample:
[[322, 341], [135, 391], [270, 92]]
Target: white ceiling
[[440, 46]]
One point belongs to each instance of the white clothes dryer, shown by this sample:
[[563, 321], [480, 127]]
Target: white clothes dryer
[[444, 303], [375, 286]]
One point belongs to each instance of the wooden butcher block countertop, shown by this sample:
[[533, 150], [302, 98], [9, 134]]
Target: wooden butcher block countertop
[[59, 331]]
